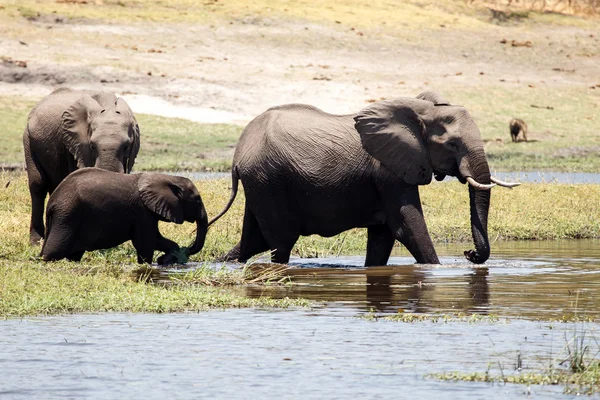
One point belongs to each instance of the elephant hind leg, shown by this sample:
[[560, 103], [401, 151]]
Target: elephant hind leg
[[38, 189], [380, 241], [252, 243], [38, 192], [76, 256]]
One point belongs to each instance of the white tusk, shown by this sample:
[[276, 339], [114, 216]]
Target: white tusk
[[509, 185], [478, 185]]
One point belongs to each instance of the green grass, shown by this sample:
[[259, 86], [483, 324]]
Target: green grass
[[576, 367], [171, 144], [33, 288], [563, 139], [410, 318], [13, 114], [106, 281], [168, 144]]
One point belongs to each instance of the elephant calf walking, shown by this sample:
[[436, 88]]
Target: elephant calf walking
[[96, 209]]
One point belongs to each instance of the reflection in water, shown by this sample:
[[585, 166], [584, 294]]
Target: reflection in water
[[524, 279], [479, 290], [389, 289]]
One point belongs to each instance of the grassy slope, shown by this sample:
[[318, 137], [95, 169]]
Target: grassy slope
[[567, 136]]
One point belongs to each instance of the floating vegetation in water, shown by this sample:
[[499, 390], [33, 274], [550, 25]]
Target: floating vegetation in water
[[575, 367], [435, 318]]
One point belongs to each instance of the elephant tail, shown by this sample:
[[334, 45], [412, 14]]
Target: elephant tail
[[234, 188]]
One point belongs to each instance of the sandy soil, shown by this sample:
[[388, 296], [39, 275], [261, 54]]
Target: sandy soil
[[232, 72]]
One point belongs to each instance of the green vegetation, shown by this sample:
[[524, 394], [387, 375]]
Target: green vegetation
[[104, 280], [576, 367], [434, 318], [171, 144], [32, 288], [563, 138], [168, 144]]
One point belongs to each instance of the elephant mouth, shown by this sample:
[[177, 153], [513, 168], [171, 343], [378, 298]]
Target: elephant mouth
[[440, 175]]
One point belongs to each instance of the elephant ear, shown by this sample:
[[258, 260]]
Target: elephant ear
[[393, 133], [134, 132], [106, 100], [76, 122], [162, 196], [434, 97]]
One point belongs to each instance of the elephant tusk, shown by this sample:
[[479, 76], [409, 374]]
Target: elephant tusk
[[478, 185], [509, 185]]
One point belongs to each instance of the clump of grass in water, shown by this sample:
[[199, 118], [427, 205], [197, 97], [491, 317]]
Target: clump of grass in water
[[582, 375], [434, 318]]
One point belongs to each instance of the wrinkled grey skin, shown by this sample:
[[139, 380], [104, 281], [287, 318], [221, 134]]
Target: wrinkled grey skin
[[95, 209], [308, 172], [72, 129]]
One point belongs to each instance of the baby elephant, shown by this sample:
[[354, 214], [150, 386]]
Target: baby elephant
[[518, 126], [95, 209]]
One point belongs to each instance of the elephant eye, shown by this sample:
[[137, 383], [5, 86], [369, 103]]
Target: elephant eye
[[452, 145]]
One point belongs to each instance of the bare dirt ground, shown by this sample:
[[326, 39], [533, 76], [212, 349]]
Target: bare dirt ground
[[233, 70]]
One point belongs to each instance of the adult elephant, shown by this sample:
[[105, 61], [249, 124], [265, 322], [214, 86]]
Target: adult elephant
[[72, 129], [95, 209], [306, 172]]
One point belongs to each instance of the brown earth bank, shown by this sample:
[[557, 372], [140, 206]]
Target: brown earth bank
[[230, 70]]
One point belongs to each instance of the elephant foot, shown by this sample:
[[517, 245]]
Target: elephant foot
[[474, 257], [35, 238], [178, 256], [167, 259]]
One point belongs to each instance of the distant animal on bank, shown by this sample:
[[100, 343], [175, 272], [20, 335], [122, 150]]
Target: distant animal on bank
[[72, 129], [307, 172], [518, 130], [95, 209]]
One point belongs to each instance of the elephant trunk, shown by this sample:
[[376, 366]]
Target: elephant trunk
[[110, 164], [201, 229], [480, 205]]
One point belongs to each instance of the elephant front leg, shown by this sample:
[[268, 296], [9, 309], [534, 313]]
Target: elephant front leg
[[168, 247], [380, 241], [144, 242], [406, 221]]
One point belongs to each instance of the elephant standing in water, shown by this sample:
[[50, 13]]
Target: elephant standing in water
[[72, 129], [95, 209], [308, 172]]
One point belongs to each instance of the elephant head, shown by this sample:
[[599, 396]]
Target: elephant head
[[101, 131], [175, 199], [418, 138]]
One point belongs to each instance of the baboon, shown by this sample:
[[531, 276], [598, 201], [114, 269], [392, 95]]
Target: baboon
[[517, 126]]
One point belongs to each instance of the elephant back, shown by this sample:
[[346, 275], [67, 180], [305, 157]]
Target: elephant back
[[304, 140]]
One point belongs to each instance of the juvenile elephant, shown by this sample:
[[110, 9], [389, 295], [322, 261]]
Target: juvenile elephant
[[72, 129], [308, 172], [96, 209]]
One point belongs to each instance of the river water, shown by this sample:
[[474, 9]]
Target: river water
[[327, 351]]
